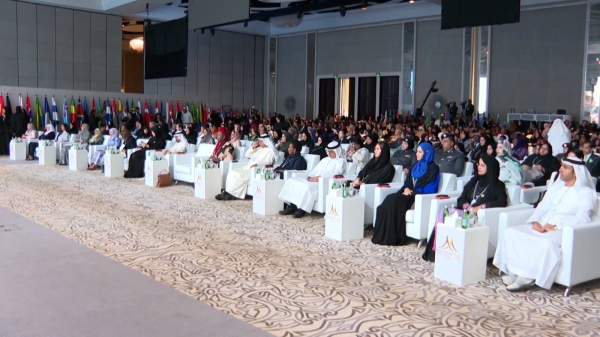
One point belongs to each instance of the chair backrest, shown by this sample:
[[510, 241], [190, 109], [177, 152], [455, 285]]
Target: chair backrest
[[312, 160], [190, 148], [205, 150], [106, 138], [345, 147], [169, 144], [350, 169], [447, 183], [140, 141], [304, 151], [468, 171], [73, 138], [371, 156], [239, 152], [399, 175], [513, 192]]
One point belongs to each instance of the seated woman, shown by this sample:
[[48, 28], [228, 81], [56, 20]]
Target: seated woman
[[180, 145], [253, 134], [97, 139], [356, 153], [424, 178], [83, 137], [538, 168], [31, 133], [306, 140], [510, 169], [207, 137], [144, 134], [284, 142], [483, 191], [136, 162], [519, 150], [378, 170], [48, 134], [320, 148], [235, 139], [113, 141], [300, 194], [129, 142]]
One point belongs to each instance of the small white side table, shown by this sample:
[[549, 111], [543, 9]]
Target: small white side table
[[152, 169], [114, 165], [47, 155], [207, 183], [266, 200], [18, 150], [78, 160], [344, 218], [461, 254]]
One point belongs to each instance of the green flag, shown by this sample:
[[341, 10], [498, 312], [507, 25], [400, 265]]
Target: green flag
[[38, 114], [427, 121]]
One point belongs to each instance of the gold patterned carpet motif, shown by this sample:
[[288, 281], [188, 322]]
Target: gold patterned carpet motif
[[280, 274]]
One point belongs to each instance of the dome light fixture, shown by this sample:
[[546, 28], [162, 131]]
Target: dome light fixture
[[137, 44]]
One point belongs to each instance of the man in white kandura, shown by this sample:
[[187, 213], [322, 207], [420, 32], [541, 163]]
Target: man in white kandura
[[301, 194], [261, 153], [530, 254]]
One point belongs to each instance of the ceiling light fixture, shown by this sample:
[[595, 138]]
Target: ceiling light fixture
[[299, 15], [137, 44], [364, 5], [202, 31], [212, 32], [343, 11], [411, 1], [246, 23]]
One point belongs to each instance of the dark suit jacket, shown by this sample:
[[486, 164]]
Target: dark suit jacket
[[593, 165], [293, 162]]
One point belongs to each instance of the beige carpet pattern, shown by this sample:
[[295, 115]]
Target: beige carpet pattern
[[279, 274]]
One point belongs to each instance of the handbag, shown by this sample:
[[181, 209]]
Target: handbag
[[164, 180]]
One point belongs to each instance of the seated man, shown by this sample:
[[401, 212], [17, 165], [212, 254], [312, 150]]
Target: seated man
[[294, 161], [448, 159], [301, 194], [261, 153], [531, 253]]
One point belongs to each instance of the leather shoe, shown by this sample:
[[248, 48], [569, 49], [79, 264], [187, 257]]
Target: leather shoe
[[291, 209], [508, 280], [219, 196], [299, 213]]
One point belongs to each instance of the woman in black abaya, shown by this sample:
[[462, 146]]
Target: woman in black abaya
[[484, 190], [424, 178], [378, 170], [136, 162]]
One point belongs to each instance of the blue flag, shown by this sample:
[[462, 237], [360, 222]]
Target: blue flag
[[109, 117], [65, 111], [85, 109], [47, 114], [55, 118]]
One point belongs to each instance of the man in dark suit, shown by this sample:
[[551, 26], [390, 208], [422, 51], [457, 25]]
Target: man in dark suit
[[592, 162], [18, 123]]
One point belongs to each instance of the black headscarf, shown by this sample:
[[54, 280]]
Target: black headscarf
[[371, 147], [308, 142], [320, 150], [481, 150], [485, 189], [410, 141], [378, 170]]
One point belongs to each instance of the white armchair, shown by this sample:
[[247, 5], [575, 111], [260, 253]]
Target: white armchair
[[323, 189], [367, 191], [185, 164], [579, 248], [488, 217], [93, 148], [417, 218]]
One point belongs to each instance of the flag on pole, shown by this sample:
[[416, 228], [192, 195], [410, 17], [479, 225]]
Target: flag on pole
[[21, 101], [108, 113], [193, 112], [8, 108], [119, 106], [73, 112], [80, 114], [161, 110], [65, 111], [99, 111], [85, 110], [36, 119], [427, 121], [55, 119], [28, 103], [1, 105], [146, 114], [47, 113], [126, 106]]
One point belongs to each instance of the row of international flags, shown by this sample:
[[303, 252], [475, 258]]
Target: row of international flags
[[77, 112]]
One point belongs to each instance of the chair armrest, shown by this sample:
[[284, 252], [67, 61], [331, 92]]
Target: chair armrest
[[437, 205], [532, 195], [287, 174], [511, 218], [579, 247], [490, 217], [380, 194], [300, 174]]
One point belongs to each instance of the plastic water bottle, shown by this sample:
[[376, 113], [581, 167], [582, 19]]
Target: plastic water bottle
[[465, 220], [446, 213], [345, 192], [334, 185]]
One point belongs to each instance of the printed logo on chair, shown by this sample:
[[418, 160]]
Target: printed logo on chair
[[333, 215]]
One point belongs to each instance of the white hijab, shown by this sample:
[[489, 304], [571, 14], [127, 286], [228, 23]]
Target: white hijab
[[558, 135], [49, 128]]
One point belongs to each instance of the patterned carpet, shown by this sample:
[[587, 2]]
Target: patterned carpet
[[279, 274]]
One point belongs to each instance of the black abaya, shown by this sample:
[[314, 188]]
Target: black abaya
[[138, 158], [390, 225]]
